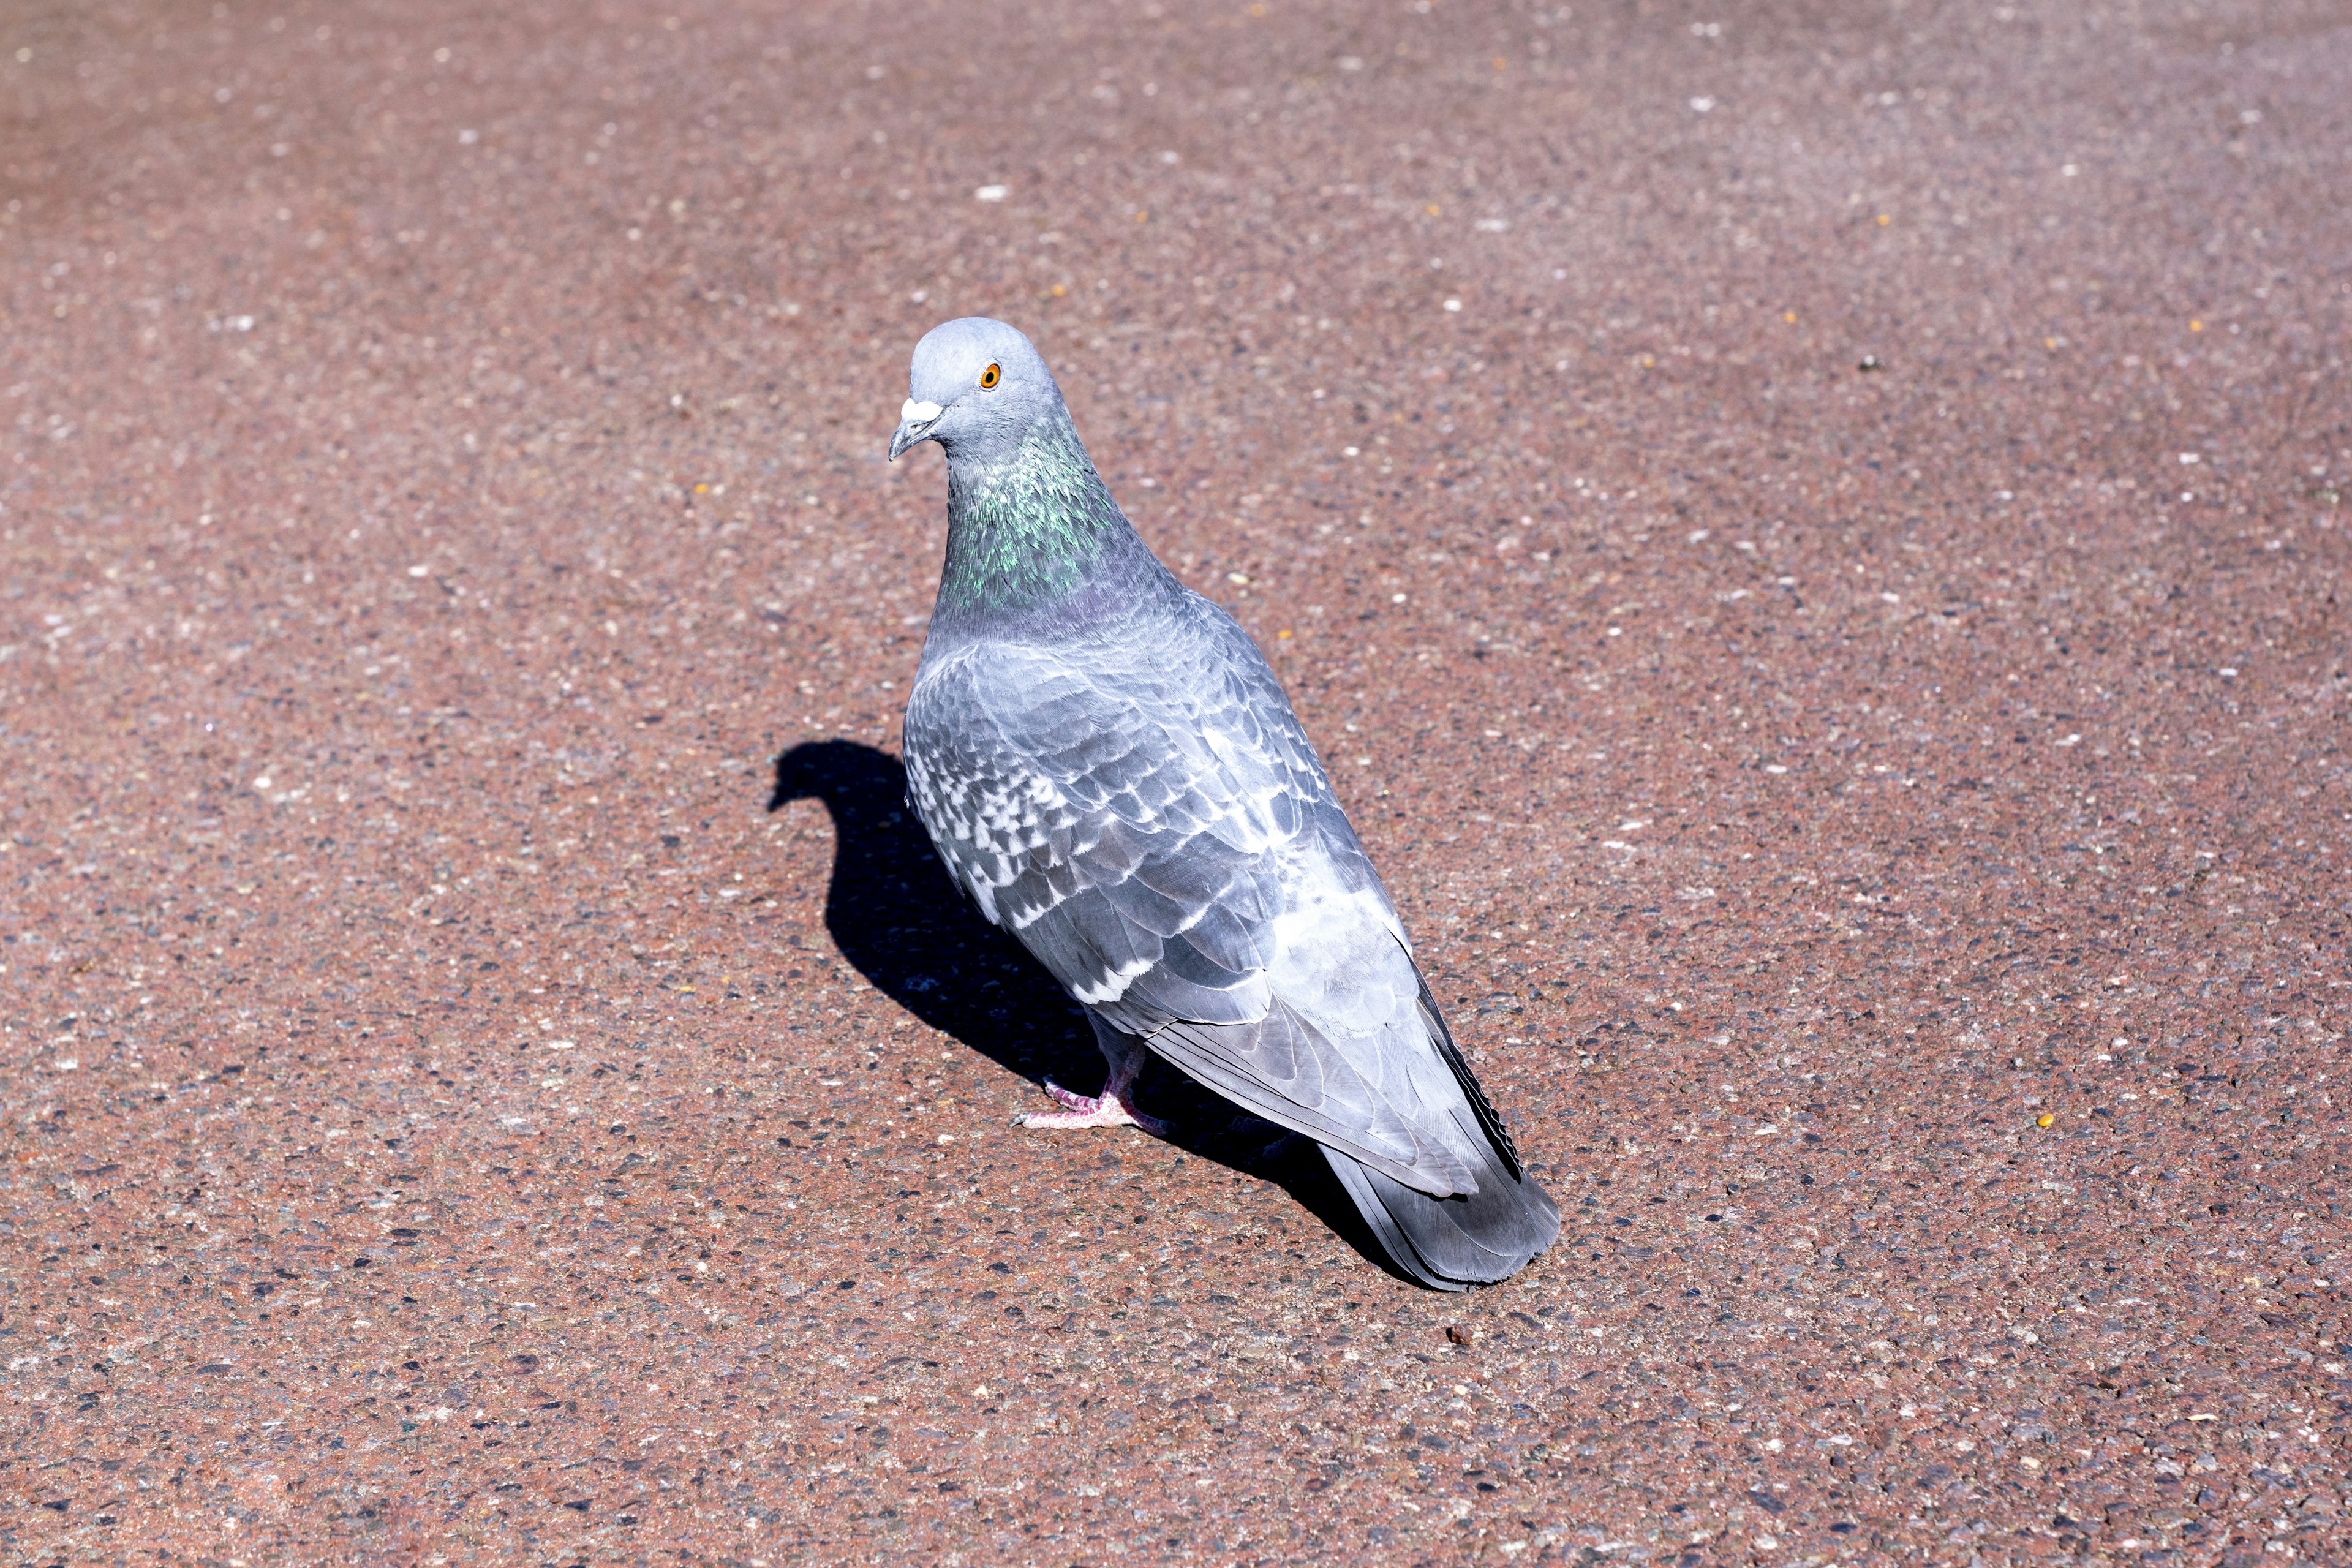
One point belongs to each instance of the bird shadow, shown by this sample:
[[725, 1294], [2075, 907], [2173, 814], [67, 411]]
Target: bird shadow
[[894, 915]]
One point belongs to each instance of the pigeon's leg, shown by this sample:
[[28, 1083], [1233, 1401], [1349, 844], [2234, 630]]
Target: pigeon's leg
[[1115, 1106]]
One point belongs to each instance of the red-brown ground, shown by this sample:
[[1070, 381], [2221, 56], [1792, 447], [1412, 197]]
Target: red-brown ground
[[1812, 537]]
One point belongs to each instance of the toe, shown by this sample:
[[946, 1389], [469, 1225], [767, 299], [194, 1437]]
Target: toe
[[1079, 1102]]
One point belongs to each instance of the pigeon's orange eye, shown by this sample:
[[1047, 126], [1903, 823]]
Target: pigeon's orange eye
[[989, 378]]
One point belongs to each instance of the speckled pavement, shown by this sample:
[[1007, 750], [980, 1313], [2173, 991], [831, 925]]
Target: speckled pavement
[[1812, 537]]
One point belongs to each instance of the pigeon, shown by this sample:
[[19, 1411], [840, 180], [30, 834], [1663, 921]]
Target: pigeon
[[1108, 767]]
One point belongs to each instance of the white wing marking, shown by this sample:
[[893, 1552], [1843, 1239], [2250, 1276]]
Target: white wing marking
[[1113, 986]]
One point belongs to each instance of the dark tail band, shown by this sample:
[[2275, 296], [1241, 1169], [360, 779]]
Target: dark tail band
[[1452, 1243]]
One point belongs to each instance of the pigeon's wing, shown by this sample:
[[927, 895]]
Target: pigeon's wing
[[1165, 841], [1123, 821]]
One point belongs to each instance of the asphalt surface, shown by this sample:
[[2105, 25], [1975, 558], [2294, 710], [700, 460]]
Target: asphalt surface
[[1812, 538]]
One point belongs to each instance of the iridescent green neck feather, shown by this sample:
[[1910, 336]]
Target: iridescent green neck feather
[[1030, 523]]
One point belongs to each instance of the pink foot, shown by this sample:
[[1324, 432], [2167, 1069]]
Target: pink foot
[[1109, 1110]]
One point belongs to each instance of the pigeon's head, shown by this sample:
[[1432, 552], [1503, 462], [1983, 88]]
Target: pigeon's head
[[974, 383]]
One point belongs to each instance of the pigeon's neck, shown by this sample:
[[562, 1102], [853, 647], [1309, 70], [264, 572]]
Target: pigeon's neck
[[1032, 531]]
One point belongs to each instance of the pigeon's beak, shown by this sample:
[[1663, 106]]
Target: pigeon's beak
[[914, 422]]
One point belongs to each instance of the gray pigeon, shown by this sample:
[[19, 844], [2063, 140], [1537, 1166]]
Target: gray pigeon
[[1108, 768]]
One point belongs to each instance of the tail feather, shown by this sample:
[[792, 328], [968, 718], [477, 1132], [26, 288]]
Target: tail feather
[[1489, 1121], [1452, 1243]]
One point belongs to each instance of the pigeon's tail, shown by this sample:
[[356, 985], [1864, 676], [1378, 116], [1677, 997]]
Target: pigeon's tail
[[1451, 1244]]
